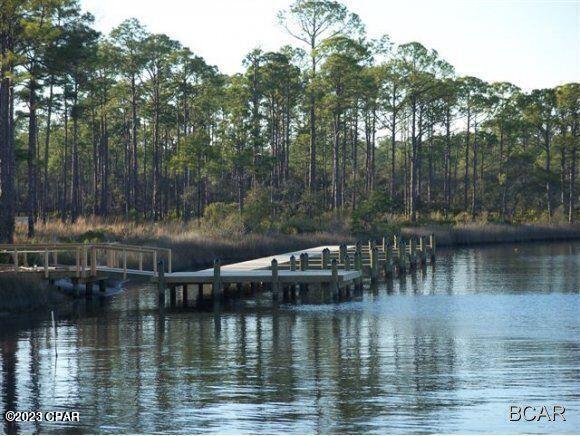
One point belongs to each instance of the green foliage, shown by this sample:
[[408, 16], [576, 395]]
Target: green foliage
[[372, 215], [222, 219], [258, 210], [142, 128]]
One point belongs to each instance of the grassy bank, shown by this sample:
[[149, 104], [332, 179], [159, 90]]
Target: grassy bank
[[196, 247], [193, 247], [475, 234], [19, 294]]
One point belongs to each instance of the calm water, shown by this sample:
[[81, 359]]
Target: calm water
[[447, 350]]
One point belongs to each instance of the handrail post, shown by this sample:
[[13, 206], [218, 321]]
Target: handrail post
[[78, 262], [46, 263], [374, 263], [217, 280], [85, 260], [93, 261], [275, 280], [170, 261], [432, 246], [155, 263], [161, 283], [334, 279], [325, 258], [15, 259], [124, 264], [342, 252]]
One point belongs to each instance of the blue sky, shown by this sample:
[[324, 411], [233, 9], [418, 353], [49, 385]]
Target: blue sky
[[532, 44]]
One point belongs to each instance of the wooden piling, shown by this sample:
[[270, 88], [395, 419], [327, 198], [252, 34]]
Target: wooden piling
[[217, 287], [402, 267], [412, 253], [342, 253], [292, 263], [89, 289], [184, 294], [358, 261], [173, 295], [335, 292], [160, 266], [388, 261], [432, 246], [46, 263], [374, 260], [275, 281], [325, 258]]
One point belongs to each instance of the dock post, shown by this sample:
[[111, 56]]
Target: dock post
[[46, 263], [395, 242], [173, 295], [75, 286], [275, 281], [347, 268], [412, 253], [93, 261], [125, 264], [374, 258], [358, 266], [303, 266], [432, 247], [342, 252], [402, 257], [161, 282], [358, 261], [293, 286], [217, 288], [184, 297], [325, 258], [358, 246], [422, 251], [388, 261], [385, 242], [85, 261], [199, 294], [89, 289], [334, 289]]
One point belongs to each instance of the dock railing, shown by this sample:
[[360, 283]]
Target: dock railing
[[82, 260]]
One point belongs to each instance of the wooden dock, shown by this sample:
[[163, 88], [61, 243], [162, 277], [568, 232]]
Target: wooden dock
[[331, 273]]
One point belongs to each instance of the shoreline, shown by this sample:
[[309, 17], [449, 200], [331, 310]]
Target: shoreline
[[487, 234], [38, 296]]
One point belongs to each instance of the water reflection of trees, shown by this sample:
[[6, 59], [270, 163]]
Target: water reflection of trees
[[308, 370]]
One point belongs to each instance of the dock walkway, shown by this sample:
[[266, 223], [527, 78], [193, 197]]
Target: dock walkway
[[334, 271]]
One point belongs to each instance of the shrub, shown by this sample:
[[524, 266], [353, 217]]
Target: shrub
[[257, 210], [222, 219]]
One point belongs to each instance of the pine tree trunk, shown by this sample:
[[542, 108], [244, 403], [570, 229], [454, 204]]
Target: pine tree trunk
[[32, 163], [46, 153], [7, 197]]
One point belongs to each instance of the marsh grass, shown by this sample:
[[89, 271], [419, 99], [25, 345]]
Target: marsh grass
[[480, 233], [195, 246]]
